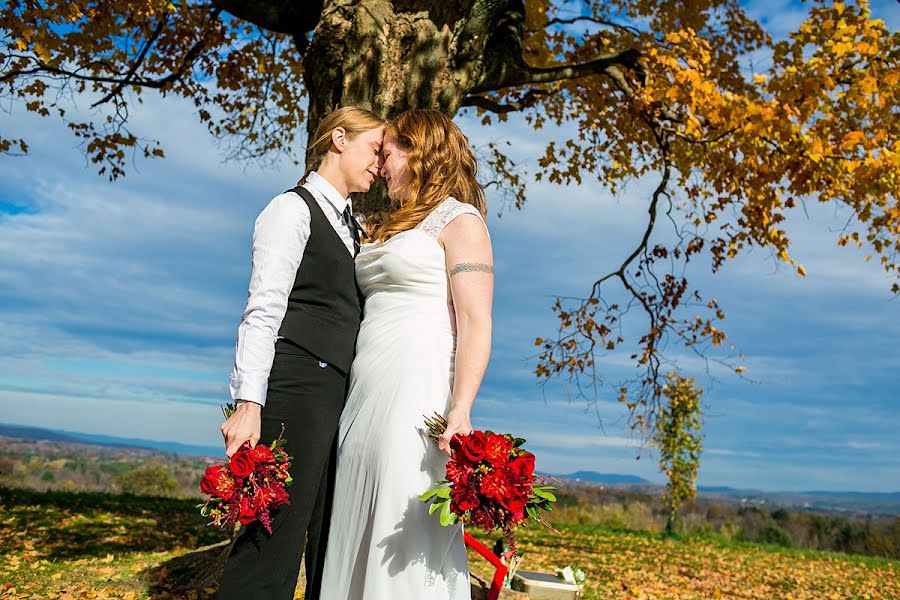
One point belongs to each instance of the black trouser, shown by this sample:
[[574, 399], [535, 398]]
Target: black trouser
[[308, 399]]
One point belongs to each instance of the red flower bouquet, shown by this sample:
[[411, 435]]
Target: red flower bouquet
[[490, 483], [248, 487]]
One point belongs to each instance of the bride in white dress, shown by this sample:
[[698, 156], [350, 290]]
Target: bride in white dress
[[423, 347]]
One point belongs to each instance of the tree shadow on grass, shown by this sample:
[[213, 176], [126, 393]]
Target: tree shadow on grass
[[72, 525], [68, 525]]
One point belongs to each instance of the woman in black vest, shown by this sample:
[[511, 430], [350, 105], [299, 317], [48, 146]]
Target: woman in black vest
[[294, 350]]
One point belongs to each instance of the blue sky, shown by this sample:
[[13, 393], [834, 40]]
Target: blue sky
[[119, 304]]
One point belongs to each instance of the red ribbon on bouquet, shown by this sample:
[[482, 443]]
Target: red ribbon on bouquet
[[499, 574]]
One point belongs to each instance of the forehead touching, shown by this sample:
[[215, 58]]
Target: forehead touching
[[371, 137], [391, 143]]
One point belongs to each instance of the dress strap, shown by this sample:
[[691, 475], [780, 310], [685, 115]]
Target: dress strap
[[445, 212]]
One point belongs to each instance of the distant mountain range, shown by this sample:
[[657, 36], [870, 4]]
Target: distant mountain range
[[872, 502]]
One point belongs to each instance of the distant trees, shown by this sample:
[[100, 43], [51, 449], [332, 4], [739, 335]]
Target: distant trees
[[148, 480], [620, 508], [75, 467], [7, 467]]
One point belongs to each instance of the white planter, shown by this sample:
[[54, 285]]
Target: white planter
[[544, 586]]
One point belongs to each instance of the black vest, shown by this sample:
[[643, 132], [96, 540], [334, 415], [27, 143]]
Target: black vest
[[325, 305]]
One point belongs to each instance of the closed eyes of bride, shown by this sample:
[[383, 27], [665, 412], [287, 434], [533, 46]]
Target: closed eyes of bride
[[471, 268]]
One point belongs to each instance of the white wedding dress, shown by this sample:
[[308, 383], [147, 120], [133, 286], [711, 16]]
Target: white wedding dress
[[383, 544]]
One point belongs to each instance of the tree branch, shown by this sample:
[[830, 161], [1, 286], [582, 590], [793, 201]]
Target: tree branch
[[121, 81], [281, 16], [645, 239], [137, 63], [483, 102], [597, 20], [484, 16], [517, 72]]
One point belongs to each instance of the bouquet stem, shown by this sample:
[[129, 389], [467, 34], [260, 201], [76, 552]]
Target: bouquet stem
[[437, 425]]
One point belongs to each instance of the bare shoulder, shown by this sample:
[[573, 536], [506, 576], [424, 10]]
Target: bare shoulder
[[466, 228]]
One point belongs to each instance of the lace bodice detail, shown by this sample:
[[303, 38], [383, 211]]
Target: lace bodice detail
[[409, 270], [445, 212]]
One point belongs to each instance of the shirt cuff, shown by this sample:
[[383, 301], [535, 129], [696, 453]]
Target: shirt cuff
[[248, 388]]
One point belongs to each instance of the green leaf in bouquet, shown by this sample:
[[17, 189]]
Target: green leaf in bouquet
[[443, 492], [288, 481], [531, 510], [518, 442], [447, 516], [229, 409], [436, 505], [430, 492], [545, 492]]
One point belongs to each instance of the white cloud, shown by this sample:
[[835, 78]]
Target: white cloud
[[726, 452], [581, 442], [855, 445], [159, 420]]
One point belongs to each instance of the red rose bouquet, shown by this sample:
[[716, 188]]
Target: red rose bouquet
[[249, 486], [490, 483]]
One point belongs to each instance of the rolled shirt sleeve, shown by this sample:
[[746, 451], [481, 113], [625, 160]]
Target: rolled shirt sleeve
[[279, 239]]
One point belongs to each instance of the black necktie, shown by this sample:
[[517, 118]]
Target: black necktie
[[350, 222]]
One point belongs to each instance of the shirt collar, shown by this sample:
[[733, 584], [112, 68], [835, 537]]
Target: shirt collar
[[326, 189]]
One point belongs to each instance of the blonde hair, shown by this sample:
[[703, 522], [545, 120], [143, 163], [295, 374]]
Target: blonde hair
[[440, 163], [352, 119]]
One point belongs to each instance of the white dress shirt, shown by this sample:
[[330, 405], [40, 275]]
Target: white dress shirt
[[279, 239]]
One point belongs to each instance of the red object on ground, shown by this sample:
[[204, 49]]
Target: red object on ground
[[499, 575]]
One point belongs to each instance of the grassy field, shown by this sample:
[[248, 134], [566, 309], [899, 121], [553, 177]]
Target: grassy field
[[67, 546]]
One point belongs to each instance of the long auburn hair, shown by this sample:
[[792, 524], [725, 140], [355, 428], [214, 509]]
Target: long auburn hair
[[352, 119], [440, 163]]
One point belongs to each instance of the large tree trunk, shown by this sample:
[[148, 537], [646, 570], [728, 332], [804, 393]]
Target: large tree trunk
[[392, 56]]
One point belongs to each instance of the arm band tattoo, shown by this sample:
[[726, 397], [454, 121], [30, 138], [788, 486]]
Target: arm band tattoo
[[471, 267]]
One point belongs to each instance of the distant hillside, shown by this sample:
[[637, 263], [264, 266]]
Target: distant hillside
[[887, 503], [24, 432]]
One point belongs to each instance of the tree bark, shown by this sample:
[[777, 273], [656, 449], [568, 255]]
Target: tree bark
[[392, 56]]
